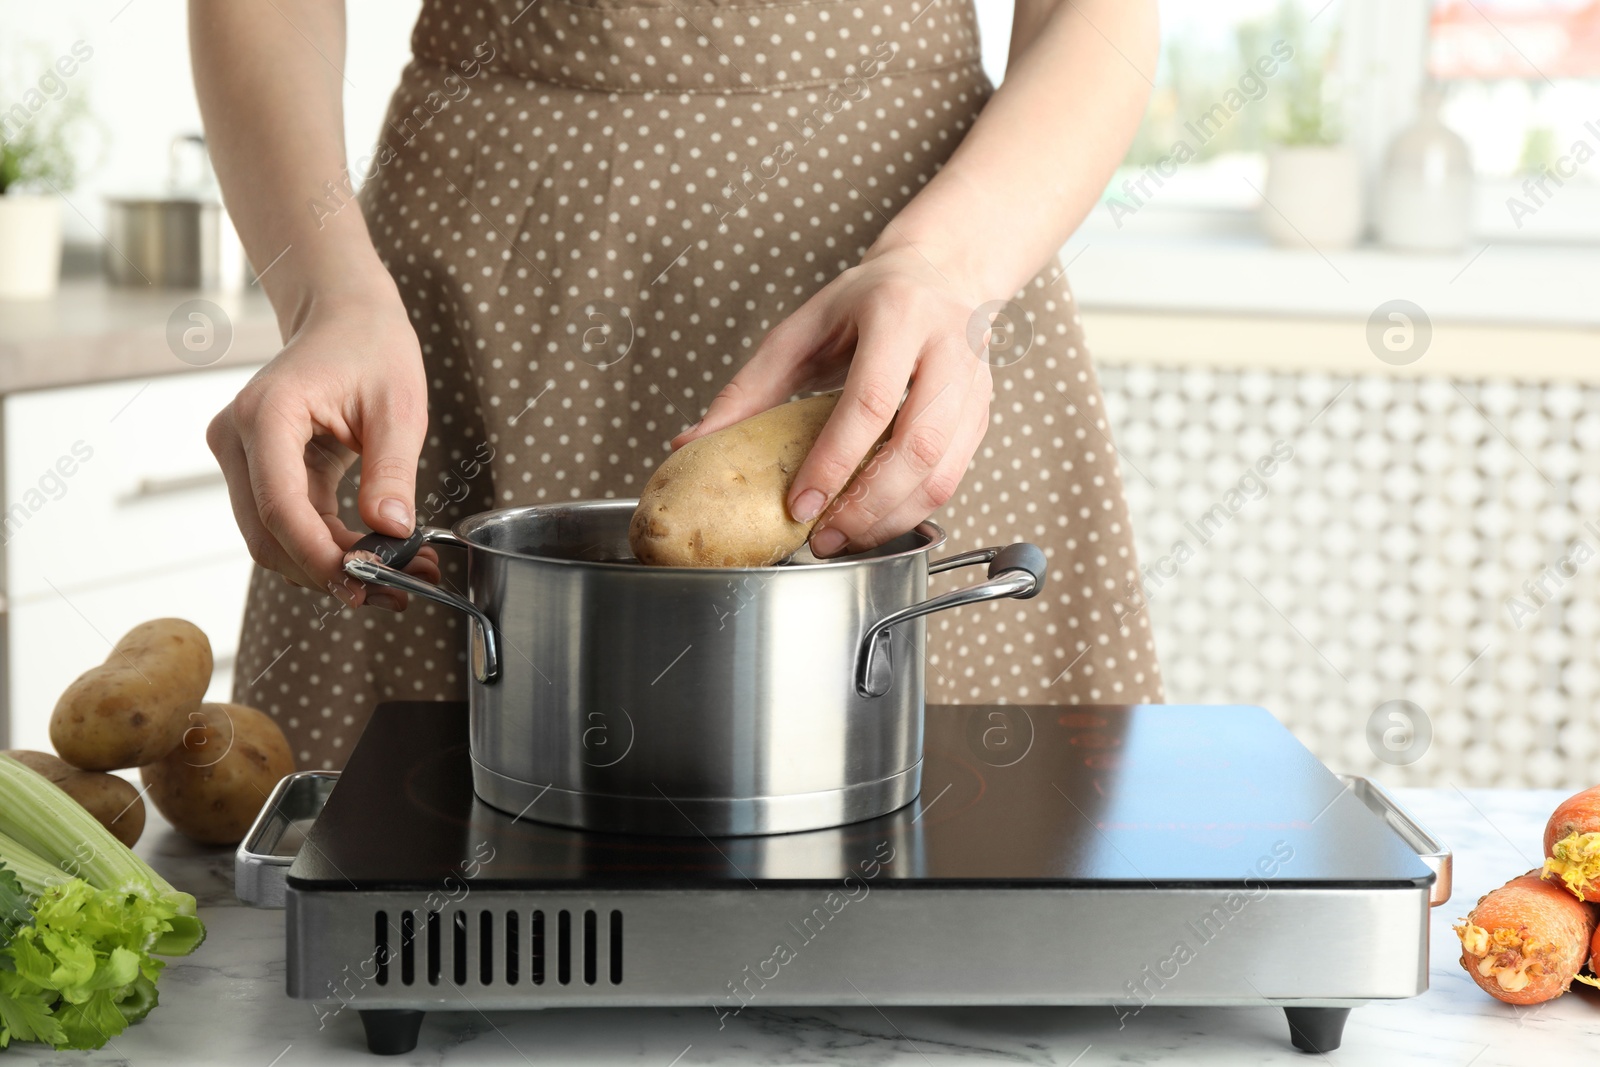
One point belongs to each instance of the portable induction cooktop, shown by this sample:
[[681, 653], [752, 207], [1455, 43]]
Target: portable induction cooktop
[[1124, 856]]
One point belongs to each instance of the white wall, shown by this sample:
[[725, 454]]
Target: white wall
[[139, 88], [994, 34]]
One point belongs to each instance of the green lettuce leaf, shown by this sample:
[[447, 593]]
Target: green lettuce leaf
[[25, 1013], [83, 970], [92, 1023], [141, 998], [14, 910]]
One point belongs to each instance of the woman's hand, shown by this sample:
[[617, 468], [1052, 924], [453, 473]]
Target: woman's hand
[[1022, 179], [349, 382], [892, 321]]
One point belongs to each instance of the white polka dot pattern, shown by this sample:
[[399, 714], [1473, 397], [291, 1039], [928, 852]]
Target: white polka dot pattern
[[702, 218]]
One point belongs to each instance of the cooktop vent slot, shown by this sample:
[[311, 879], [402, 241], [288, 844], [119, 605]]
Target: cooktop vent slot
[[564, 947], [591, 946], [536, 956], [380, 947], [616, 948], [513, 950]]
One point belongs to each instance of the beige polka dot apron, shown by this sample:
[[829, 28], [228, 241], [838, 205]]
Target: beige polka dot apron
[[594, 212]]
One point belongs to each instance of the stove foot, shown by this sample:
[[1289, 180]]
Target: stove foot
[[1316, 1029], [391, 1031]]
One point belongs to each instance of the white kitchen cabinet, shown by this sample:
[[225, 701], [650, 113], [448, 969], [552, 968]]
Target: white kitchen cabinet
[[54, 639], [115, 513]]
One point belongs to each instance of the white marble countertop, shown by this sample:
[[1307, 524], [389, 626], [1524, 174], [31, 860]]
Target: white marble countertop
[[226, 1004]]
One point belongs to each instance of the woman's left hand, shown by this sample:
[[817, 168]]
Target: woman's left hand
[[894, 320]]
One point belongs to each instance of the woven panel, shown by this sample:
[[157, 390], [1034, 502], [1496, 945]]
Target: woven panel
[[1418, 541]]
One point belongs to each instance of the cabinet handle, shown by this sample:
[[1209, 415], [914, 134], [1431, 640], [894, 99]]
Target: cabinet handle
[[149, 488]]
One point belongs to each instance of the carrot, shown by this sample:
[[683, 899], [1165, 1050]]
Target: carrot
[[1526, 941], [1572, 844]]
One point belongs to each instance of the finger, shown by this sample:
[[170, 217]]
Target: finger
[[328, 469], [327, 466], [391, 445], [935, 490], [328, 475], [424, 565], [223, 437], [328, 478], [779, 369], [276, 453], [911, 463], [879, 371]]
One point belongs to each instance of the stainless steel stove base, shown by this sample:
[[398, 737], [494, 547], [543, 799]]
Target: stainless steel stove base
[[698, 817], [1303, 948]]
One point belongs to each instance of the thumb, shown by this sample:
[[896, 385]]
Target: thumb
[[390, 448], [775, 373], [745, 395]]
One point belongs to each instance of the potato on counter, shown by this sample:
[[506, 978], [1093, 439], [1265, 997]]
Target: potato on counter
[[114, 802], [722, 499], [213, 784], [134, 707]]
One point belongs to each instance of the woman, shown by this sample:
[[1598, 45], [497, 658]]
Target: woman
[[590, 227]]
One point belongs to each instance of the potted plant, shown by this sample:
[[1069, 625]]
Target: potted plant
[[36, 160], [1313, 186]]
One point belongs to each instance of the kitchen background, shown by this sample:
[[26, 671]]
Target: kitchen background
[[1361, 237]]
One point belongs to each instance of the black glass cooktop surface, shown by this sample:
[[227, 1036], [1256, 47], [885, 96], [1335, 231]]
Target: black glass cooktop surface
[[1150, 795]]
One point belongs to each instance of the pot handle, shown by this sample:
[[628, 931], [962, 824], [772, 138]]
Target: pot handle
[[377, 559], [1016, 571]]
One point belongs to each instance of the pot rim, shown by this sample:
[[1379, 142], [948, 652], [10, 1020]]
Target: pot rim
[[932, 532]]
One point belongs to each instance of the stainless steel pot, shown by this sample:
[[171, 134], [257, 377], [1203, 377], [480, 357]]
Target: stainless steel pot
[[608, 695], [180, 238]]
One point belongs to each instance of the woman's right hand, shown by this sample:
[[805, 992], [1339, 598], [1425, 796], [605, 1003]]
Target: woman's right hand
[[349, 382]]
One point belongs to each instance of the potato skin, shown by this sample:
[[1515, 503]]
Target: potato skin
[[213, 784], [133, 708], [722, 500], [114, 802], [1544, 925]]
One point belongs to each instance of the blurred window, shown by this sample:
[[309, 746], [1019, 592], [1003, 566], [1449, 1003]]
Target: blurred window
[[1521, 81], [1236, 76]]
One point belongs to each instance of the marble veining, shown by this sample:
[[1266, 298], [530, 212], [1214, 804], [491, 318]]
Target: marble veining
[[226, 1005]]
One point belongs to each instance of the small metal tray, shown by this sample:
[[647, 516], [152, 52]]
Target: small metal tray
[[1429, 849], [261, 864]]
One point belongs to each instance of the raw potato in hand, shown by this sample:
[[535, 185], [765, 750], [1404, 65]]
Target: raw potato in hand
[[212, 786], [114, 802], [133, 708], [1572, 844], [722, 500], [1525, 942]]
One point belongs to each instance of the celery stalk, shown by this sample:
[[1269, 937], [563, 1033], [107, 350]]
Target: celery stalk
[[83, 920], [35, 874], [45, 821]]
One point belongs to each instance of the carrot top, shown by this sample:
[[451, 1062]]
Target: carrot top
[[1575, 859]]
